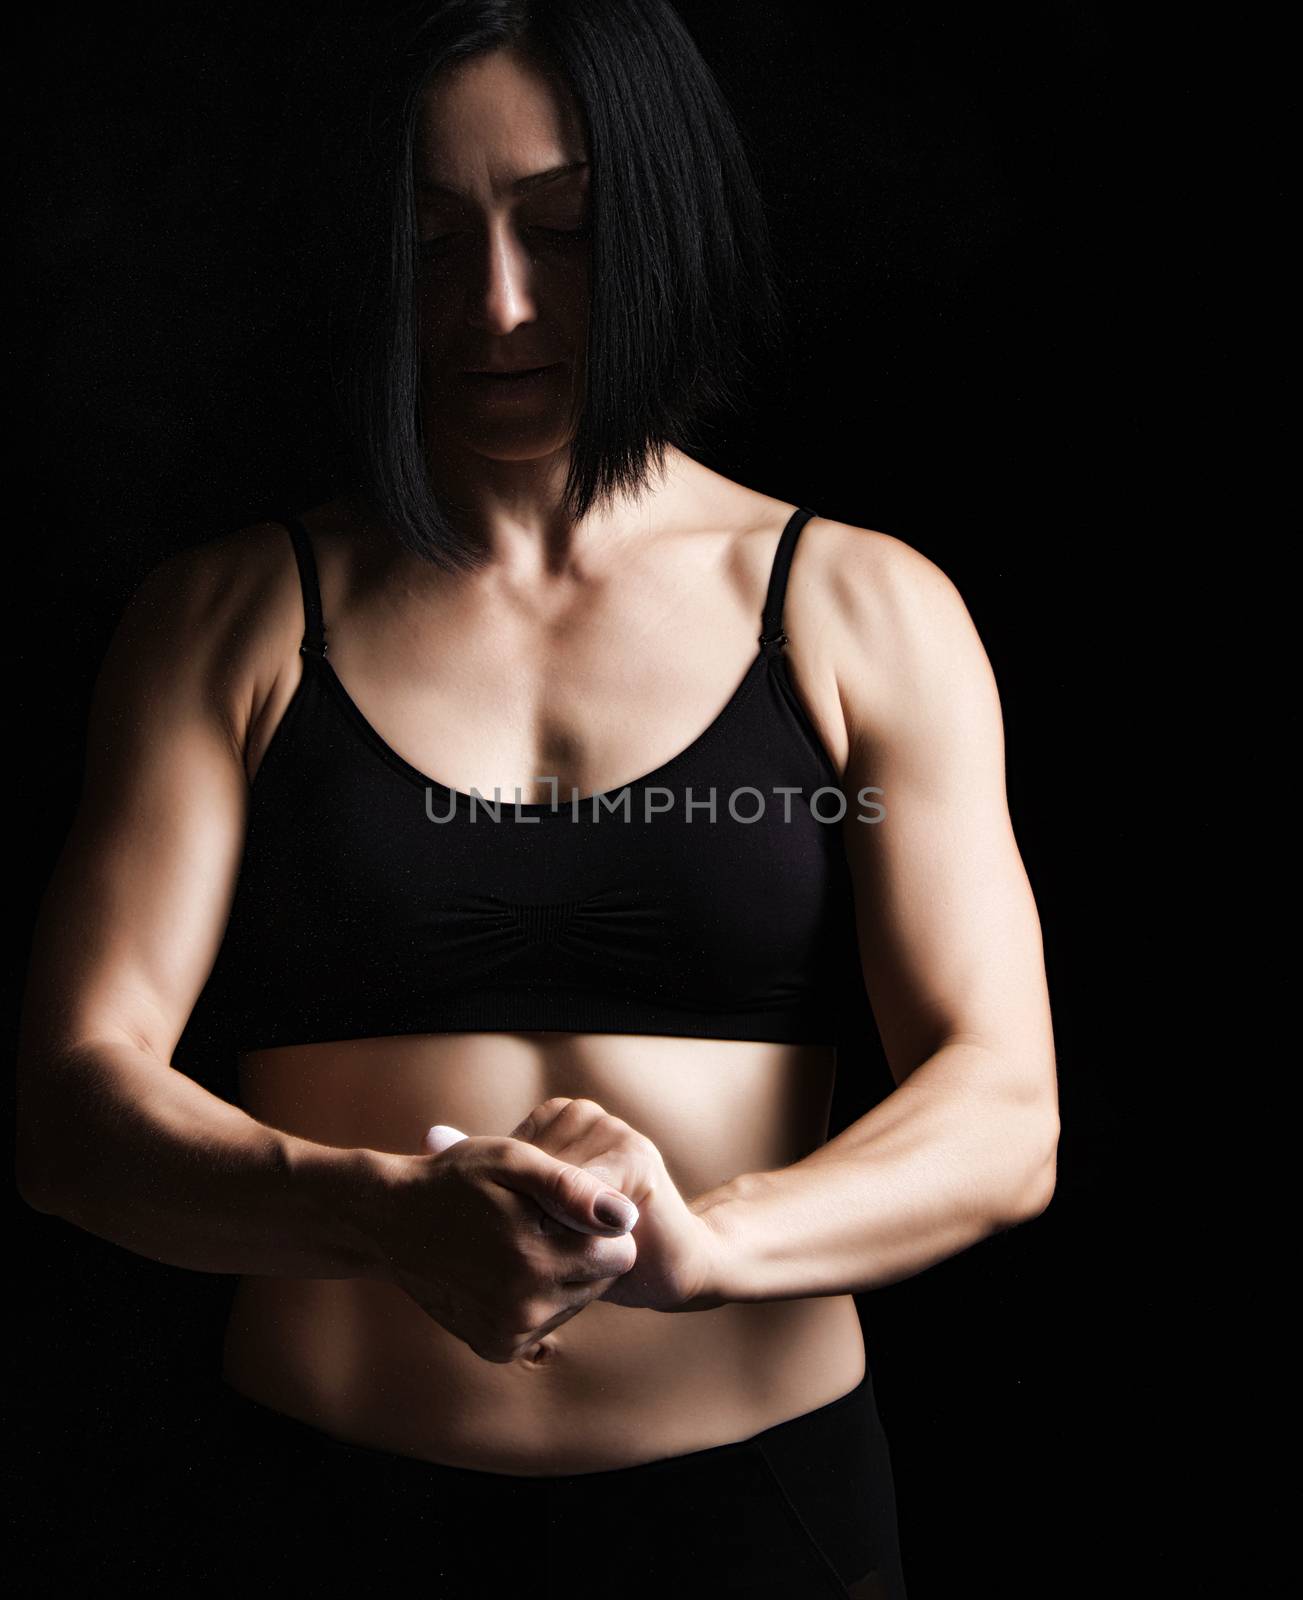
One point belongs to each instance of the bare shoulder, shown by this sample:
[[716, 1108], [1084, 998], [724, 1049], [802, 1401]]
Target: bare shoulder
[[893, 626], [217, 580], [222, 618], [870, 580]]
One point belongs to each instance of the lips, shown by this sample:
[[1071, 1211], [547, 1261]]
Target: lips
[[523, 382], [509, 372]]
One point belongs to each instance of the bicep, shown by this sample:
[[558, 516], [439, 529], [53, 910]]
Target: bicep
[[950, 940], [133, 915]]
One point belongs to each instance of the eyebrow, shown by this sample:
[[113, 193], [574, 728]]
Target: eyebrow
[[533, 180]]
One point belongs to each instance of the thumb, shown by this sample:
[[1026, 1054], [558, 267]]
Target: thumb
[[567, 1193]]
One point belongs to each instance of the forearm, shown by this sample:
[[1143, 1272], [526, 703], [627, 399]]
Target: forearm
[[147, 1158], [933, 1169]]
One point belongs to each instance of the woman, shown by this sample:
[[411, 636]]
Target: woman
[[463, 1029]]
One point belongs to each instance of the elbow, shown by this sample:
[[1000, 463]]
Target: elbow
[[28, 1177], [1039, 1199], [1035, 1182], [33, 1190], [51, 1133], [35, 1176], [33, 1199], [33, 1179]]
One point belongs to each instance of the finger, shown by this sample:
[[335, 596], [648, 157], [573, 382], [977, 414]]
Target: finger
[[563, 1126], [547, 1223], [566, 1223], [535, 1123], [612, 1259], [585, 1294], [564, 1315], [566, 1192], [576, 1256]]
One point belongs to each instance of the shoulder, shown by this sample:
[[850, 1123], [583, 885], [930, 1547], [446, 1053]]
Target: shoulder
[[894, 627], [219, 593], [866, 577], [223, 616]]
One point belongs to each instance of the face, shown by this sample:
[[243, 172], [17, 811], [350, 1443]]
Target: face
[[501, 185]]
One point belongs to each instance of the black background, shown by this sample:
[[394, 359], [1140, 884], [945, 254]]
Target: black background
[[961, 202]]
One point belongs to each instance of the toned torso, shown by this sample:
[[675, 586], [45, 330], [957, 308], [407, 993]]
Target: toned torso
[[594, 678]]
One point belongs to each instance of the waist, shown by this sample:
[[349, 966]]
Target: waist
[[713, 1107], [361, 1363]]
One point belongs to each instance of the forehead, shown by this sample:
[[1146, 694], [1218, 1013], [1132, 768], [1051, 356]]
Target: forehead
[[490, 120]]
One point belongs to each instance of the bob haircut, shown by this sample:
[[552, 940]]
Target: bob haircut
[[682, 273]]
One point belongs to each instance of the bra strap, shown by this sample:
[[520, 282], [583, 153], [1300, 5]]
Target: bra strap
[[772, 636], [314, 634]]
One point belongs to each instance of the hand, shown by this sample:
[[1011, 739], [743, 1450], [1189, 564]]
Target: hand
[[677, 1249], [461, 1231]]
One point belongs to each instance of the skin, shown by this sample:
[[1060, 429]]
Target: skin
[[594, 653]]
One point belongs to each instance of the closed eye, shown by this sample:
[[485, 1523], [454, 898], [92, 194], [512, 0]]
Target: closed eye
[[442, 241]]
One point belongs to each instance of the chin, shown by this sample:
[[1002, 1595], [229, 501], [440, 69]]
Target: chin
[[513, 445]]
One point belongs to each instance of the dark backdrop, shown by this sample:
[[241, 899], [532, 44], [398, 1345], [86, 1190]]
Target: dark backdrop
[[959, 201]]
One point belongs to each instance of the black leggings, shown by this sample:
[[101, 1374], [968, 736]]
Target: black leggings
[[803, 1509]]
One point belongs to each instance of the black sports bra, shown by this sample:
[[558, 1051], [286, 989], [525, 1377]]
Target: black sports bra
[[373, 901]]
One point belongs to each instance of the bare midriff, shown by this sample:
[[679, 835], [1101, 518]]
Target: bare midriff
[[613, 1386]]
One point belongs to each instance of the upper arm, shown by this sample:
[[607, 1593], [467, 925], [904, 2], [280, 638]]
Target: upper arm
[[950, 940], [133, 915]]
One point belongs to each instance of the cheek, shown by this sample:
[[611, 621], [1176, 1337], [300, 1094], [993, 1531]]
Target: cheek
[[435, 317], [433, 297], [568, 296]]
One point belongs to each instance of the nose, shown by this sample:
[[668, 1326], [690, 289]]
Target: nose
[[501, 296]]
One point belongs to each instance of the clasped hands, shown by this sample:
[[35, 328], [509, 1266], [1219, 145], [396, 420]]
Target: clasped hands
[[679, 1250]]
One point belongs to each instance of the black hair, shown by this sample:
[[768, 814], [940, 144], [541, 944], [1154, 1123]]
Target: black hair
[[682, 273]]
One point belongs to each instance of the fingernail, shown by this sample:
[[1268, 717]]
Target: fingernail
[[616, 1211]]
